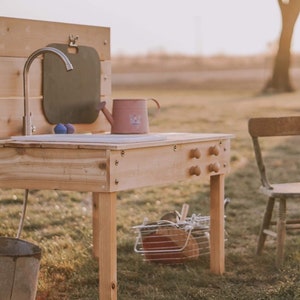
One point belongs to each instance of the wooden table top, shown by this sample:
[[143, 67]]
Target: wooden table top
[[109, 141]]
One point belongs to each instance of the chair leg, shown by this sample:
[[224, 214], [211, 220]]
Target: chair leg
[[281, 233], [265, 225]]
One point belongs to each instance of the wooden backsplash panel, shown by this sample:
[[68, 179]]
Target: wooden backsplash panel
[[18, 39]]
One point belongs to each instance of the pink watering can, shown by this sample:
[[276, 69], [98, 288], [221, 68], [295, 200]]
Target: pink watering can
[[129, 116]]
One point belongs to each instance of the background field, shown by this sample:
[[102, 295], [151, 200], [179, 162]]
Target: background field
[[215, 95]]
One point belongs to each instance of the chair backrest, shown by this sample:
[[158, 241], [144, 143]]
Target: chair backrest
[[268, 127]]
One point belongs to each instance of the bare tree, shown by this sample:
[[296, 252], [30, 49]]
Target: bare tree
[[280, 80]]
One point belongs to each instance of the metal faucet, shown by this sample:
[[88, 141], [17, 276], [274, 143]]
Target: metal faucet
[[27, 126]]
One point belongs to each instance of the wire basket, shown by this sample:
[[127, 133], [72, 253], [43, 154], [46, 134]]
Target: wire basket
[[171, 242]]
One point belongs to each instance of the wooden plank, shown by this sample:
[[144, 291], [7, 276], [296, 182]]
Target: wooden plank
[[106, 79], [11, 119], [64, 169], [11, 83], [281, 126], [20, 37]]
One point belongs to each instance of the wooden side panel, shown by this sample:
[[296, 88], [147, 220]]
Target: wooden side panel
[[64, 169], [18, 39], [163, 165]]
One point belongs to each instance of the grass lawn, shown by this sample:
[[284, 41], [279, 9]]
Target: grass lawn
[[60, 221]]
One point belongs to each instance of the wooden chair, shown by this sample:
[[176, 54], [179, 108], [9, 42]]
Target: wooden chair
[[275, 127]]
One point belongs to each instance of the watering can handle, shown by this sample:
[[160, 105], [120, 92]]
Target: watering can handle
[[156, 102]]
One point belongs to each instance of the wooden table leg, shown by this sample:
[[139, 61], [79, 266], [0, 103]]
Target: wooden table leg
[[217, 245], [105, 243]]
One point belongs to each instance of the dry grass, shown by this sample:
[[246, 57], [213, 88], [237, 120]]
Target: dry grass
[[60, 222]]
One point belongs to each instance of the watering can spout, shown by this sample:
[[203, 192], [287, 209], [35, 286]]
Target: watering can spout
[[106, 112]]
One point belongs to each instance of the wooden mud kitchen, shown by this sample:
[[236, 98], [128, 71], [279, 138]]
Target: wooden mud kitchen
[[32, 157]]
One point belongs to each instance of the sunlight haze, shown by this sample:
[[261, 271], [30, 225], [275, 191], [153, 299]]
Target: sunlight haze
[[193, 27]]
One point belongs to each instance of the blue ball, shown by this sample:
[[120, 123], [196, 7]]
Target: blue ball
[[70, 128], [60, 129]]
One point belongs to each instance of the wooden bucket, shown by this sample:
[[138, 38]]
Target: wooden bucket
[[19, 268]]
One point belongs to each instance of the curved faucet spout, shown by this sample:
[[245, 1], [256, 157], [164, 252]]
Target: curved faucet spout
[[27, 126]]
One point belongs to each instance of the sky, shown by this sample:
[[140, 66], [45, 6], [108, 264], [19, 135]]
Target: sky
[[189, 27]]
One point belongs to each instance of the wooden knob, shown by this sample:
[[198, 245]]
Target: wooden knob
[[195, 170], [215, 167], [214, 150], [195, 153]]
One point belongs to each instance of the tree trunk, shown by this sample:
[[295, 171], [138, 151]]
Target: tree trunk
[[280, 80]]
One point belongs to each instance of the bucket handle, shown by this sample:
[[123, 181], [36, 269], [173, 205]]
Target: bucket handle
[[25, 200]]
